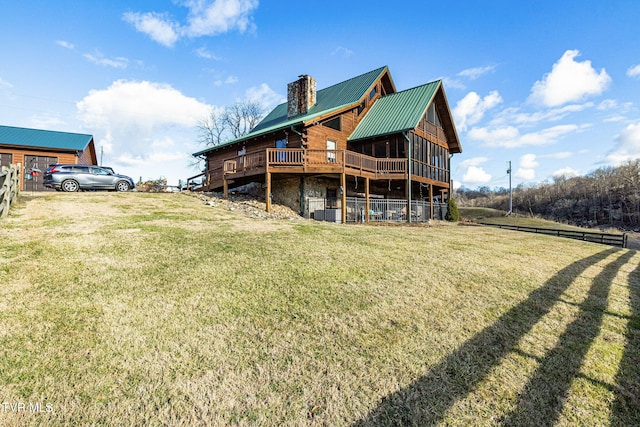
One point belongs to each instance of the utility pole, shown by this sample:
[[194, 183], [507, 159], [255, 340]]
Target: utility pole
[[101, 153], [510, 191]]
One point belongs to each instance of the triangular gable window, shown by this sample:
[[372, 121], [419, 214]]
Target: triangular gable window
[[432, 115]]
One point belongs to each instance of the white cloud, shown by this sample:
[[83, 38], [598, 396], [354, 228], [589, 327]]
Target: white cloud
[[342, 51], [99, 59], [513, 116], [501, 136], [141, 104], [203, 52], [205, 18], [5, 84], [470, 109], [452, 83], [559, 155], [568, 172], [264, 95], [569, 81], [547, 136], [473, 162], [146, 129], [157, 26], [477, 72], [220, 16], [529, 161], [65, 44], [510, 137], [634, 71], [527, 167], [627, 145], [476, 175], [228, 81], [608, 104], [526, 174]]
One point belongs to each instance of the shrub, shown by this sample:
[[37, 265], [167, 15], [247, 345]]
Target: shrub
[[452, 211]]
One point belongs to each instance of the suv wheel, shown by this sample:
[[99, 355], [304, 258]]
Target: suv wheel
[[122, 186], [70, 185]]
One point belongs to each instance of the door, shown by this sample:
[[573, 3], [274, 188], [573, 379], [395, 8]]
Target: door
[[34, 168], [331, 151], [101, 178], [281, 156]]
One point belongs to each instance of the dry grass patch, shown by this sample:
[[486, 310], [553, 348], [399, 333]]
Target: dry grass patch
[[161, 310]]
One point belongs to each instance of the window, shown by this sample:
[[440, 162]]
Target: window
[[6, 159], [373, 93], [331, 151], [99, 171], [361, 107], [335, 123], [432, 115]]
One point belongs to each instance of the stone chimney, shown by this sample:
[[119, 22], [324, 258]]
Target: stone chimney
[[301, 95]]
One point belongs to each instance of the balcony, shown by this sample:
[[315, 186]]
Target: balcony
[[305, 161]]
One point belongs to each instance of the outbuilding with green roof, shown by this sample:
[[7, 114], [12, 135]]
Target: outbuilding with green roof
[[35, 149]]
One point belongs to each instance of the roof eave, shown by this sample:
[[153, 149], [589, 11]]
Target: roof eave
[[380, 135]]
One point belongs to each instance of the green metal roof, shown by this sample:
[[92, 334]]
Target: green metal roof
[[36, 138], [397, 112], [329, 99]]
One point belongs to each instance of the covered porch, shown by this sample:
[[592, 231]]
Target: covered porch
[[341, 165]]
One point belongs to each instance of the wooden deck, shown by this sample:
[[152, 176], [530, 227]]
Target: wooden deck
[[304, 161], [299, 160]]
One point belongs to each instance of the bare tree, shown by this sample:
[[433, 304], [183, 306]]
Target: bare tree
[[233, 122], [212, 129]]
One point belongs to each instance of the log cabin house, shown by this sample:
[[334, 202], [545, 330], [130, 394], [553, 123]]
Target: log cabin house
[[34, 150], [355, 151]]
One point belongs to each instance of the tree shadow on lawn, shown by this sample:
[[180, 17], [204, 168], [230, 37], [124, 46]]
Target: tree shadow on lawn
[[626, 407], [426, 401]]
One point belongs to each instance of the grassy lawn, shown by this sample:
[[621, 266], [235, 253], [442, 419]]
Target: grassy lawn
[[154, 309], [496, 217]]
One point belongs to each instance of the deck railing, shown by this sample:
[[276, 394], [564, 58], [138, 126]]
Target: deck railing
[[320, 160], [300, 157]]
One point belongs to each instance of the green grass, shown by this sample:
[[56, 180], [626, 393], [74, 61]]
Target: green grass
[[497, 217], [154, 309]]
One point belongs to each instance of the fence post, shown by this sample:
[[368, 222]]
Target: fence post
[[9, 189]]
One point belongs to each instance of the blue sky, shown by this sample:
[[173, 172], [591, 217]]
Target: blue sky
[[552, 86]]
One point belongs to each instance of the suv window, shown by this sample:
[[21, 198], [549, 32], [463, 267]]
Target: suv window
[[81, 169], [99, 171]]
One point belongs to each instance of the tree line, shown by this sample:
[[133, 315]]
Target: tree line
[[609, 196]]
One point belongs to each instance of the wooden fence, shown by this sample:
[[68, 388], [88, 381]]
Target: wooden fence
[[9, 188], [603, 238]]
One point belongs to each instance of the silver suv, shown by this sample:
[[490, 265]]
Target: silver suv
[[85, 177]]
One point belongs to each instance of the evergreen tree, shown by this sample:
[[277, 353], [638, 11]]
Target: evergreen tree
[[452, 211]]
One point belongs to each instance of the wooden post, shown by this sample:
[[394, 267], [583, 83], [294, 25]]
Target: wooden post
[[408, 195], [366, 199], [431, 201], [343, 189], [225, 188], [267, 196]]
